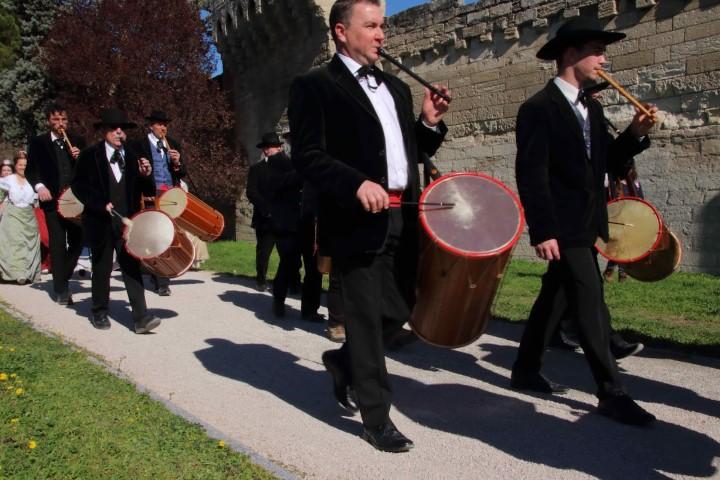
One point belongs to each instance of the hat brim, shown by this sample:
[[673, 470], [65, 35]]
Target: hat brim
[[264, 144], [123, 125], [155, 119], [554, 48]]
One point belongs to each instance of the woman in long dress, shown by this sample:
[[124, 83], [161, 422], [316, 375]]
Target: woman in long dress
[[19, 237]]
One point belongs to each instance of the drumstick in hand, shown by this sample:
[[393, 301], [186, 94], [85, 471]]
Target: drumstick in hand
[[126, 221]]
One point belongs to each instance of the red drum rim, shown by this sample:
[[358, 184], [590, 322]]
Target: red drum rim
[[125, 232], [657, 239], [466, 253]]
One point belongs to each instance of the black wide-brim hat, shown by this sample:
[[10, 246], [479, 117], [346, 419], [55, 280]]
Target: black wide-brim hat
[[158, 116], [270, 139], [575, 32], [114, 117]]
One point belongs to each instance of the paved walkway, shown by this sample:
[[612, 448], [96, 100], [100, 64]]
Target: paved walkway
[[221, 359]]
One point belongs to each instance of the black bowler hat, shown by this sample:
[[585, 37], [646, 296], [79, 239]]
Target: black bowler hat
[[270, 139], [575, 32], [158, 116], [114, 117]]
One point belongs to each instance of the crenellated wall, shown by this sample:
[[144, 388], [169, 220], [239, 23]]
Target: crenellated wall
[[485, 52]]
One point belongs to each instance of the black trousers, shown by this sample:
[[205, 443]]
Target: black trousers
[[336, 309], [312, 283], [66, 242], [576, 272], [288, 247], [265, 241], [375, 298], [102, 261]]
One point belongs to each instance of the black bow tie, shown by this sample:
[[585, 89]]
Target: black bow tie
[[583, 97], [59, 142], [117, 158], [367, 71], [160, 146]]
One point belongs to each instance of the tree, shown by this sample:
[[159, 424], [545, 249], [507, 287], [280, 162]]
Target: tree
[[9, 39], [144, 55], [24, 87]]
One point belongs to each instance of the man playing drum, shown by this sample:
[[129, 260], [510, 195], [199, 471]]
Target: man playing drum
[[563, 153], [51, 166], [358, 142], [110, 181]]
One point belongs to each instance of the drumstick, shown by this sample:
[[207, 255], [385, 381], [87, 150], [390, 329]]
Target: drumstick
[[126, 221], [430, 204], [620, 223]]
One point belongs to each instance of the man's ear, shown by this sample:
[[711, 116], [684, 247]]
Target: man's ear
[[340, 32]]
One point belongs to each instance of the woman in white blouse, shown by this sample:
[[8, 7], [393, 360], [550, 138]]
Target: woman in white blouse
[[19, 238]]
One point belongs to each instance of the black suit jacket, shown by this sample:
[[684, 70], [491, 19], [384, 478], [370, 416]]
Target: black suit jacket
[[338, 143], [143, 147], [91, 186], [561, 189], [43, 166], [274, 188]]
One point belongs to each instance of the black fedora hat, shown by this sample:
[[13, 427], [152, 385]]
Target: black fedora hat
[[112, 117], [158, 116], [575, 32], [269, 139]]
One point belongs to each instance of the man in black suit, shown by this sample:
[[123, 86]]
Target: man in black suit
[[563, 153], [357, 141], [51, 166], [165, 153], [260, 193], [282, 191], [110, 180]]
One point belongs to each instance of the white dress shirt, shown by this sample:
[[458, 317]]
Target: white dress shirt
[[109, 151], [20, 195], [384, 106]]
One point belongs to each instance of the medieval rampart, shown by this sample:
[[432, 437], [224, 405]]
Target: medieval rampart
[[485, 52]]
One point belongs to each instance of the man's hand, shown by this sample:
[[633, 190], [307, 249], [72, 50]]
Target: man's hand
[[642, 123], [144, 167], [548, 250], [373, 197], [109, 207], [44, 194], [75, 152], [434, 106], [174, 156]]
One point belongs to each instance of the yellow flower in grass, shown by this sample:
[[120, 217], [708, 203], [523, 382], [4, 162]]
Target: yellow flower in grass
[[3, 377], [14, 421], [221, 444], [19, 391], [13, 375], [32, 444], [12, 349]]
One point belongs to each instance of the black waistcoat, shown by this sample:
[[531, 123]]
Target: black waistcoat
[[65, 168]]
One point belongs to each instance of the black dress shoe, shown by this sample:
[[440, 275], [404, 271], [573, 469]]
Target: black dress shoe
[[164, 291], [623, 349], [402, 339], [623, 409], [562, 341], [278, 308], [387, 438], [100, 321], [146, 323], [341, 383], [535, 382], [64, 299]]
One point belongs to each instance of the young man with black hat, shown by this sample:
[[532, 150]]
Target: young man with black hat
[[563, 153], [110, 180], [50, 169], [165, 153]]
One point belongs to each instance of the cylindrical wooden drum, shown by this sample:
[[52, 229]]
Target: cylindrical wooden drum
[[69, 207], [163, 249], [463, 254], [192, 214]]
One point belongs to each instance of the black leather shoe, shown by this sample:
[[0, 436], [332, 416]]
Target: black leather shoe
[[562, 341], [535, 382], [146, 323], [623, 349], [623, 409], [387, 438], [164, 291], [402, 339], [100, 321], [278, 308], [64, 299], [341, 383]]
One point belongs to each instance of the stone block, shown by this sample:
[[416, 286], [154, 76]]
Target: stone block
[[703, 30], [622, 48], [638, 30], [703, 63], [511, 33], [696, 47], [696, 17], [662, 39], [607, 8], [571, 12], [662, 26], [700, 101], [662, 54], [524, 80], [710, 146], [633, 60], [641, 4]]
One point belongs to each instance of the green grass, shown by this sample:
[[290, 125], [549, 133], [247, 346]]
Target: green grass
[[86, 423], [682, 311]]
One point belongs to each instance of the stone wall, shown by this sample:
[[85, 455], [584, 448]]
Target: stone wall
[[485, 52]]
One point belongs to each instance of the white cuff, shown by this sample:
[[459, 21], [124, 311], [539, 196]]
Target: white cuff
[[39, 186]]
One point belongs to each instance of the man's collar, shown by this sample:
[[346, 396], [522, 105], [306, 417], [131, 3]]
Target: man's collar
[[153, 138], [351, 64], [110, 150], [569, 91], [53, 137]]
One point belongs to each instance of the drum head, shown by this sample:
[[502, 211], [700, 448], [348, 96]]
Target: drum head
[[635, 228], [660, 264], [486, 218], [152, 233], [68, 205], [173, 202]]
